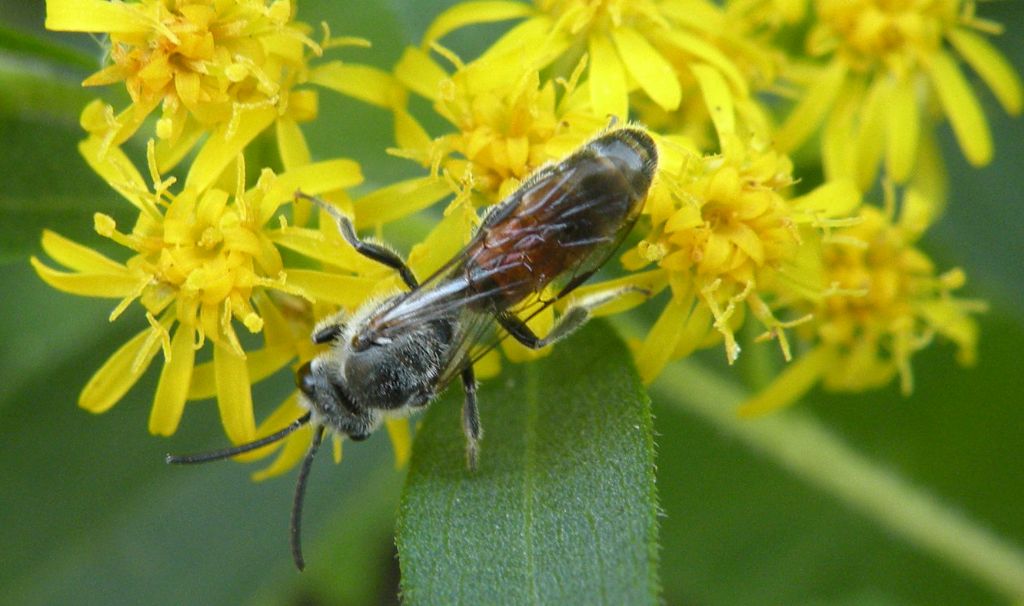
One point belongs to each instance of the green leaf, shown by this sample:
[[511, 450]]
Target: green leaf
[[563, 508]]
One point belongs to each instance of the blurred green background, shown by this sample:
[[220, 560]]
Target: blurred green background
[[89, 513]]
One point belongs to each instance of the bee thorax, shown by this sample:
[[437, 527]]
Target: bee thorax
[[399, 371]]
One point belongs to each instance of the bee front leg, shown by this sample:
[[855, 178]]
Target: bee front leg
[[575, 316], [471, 418], [370, 250]]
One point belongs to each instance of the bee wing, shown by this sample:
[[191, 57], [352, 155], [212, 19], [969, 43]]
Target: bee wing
[[549, 236], [566, 221], [474, 328]]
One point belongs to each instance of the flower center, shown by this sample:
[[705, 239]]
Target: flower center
[[895, 33]]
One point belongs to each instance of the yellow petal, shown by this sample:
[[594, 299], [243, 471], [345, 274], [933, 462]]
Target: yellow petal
[[278, 332], [805, 118], [541, 325], [172, 391], [75, 256], [336, 442], [533, 42], [312, 179], [803, 275], [838, 198], [114, 167], [468, 13], [418, 71], [607, 80], [119, 373], [991, 65], [347, 291], [650, 69], [295, 448], [871, 135], [440, 245], [410, 135], [697, 332], [488, 366], [313, 244], [930, 175], [361, 82], [92, 284], [962, 107], [917, 213], [401, 439], [170, 152], [291, 144], [98, 16], [790, 385], [837, 150], [234, 394], [717, 98], [706, 52], [661, 341], [901, 130], [398, 200], [108, 75], [223, 147], [647, 283], [261, 364], [283, 415], [747, 240]]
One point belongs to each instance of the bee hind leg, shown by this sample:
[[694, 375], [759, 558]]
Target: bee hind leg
[[471, 419], [370, 250], [575, 316]]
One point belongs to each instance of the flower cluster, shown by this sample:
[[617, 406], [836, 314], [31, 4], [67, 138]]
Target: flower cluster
[[733, 231]]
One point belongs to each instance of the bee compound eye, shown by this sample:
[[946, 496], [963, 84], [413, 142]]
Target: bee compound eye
[[304, 378]]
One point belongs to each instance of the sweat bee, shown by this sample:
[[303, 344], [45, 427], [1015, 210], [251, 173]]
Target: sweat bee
[[396, 355]]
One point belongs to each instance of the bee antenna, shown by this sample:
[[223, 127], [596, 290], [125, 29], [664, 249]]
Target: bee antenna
[[300, 497], [227, 453]]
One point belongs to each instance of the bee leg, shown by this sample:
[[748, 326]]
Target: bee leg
[[575, 316], [370, 250], [471, 418]]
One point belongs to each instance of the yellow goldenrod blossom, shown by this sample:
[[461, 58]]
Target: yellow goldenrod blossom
[[887, 65], [506, 121], [726, 237], [205, 66], [506, 125], [882, 302], [201, 260], [768, 13], [631, 45]]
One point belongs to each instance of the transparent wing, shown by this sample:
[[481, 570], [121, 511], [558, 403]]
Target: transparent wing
[[549, 236]]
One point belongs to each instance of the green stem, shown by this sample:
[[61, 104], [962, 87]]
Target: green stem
[[812, 451]]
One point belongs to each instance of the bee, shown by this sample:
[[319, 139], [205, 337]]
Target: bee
[[395, 356]]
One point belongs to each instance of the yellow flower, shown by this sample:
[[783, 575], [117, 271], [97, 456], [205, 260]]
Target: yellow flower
[[631, 45], [506, 121], [725, 235], [768, 13], [204, 64], [201, 260], [883, 301], [887, 64]]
